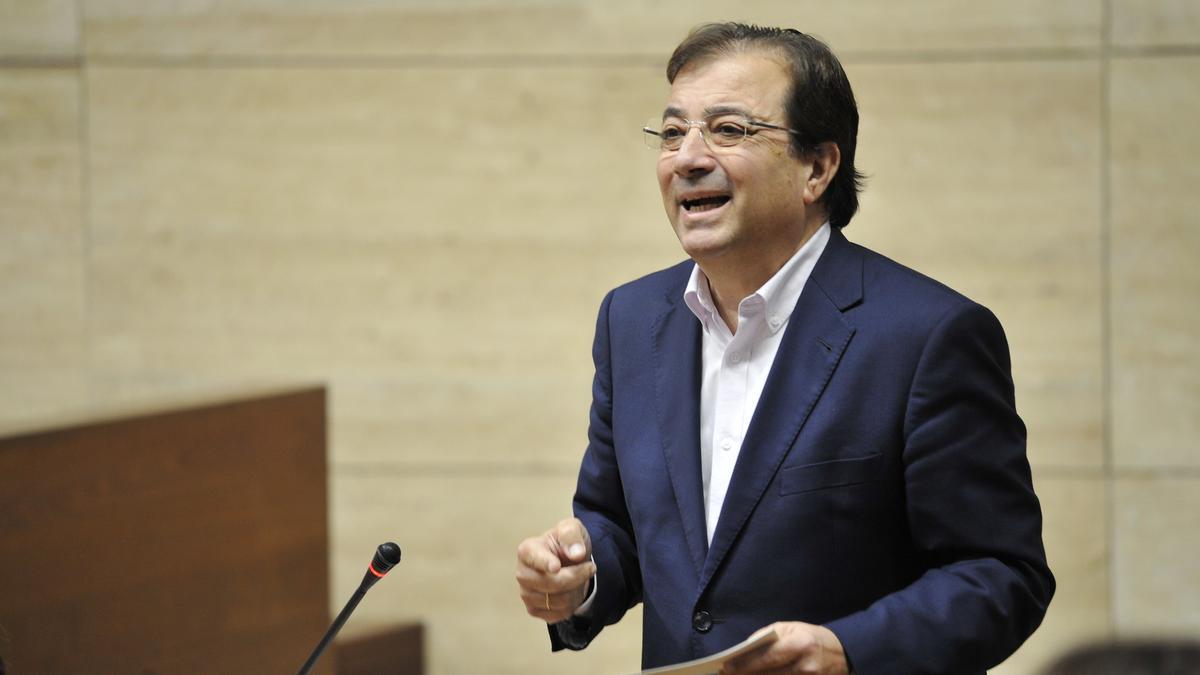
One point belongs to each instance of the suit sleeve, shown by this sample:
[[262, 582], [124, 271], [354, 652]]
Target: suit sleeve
[[974, 519], [600, 504]]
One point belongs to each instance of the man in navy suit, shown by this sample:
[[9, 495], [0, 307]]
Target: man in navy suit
[[790, 430]]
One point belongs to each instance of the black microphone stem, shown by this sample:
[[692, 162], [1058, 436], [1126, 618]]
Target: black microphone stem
[[333, 629], [386, 557]]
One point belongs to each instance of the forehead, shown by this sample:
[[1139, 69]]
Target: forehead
[[753, 81]]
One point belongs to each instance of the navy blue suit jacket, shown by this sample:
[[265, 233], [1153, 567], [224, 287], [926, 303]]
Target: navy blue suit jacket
[[882, 488]]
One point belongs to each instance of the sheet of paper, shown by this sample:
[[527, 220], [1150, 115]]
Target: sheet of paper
[[711, 664]]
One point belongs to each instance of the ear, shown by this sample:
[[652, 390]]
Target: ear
[[824, 161]]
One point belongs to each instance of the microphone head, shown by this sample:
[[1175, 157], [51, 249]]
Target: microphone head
[[386, 557]]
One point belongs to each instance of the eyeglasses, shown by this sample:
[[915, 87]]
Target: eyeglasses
[[719, 131]]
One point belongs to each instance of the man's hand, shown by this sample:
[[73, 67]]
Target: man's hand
[[801, 648], [553, 571]]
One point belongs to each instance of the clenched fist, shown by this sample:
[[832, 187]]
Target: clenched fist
[[553, 571]]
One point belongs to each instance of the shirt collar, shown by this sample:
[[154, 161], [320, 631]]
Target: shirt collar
[[698, 298], [779, 294]]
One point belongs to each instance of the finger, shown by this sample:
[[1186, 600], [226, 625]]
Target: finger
[[549, 617], [537, 554], [763, 670], [572, 540], [751, 668], [567, 579], [552, 602], [757, 661], [795, 645], [551, 608], [538, 611], [570, 577]]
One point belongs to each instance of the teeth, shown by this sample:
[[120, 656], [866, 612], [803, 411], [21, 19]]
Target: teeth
[[705, 203]]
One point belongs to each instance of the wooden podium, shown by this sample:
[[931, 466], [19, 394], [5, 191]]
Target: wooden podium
[[192, 540]]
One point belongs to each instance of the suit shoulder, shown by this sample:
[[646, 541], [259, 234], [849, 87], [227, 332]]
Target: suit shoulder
[[899, 298], [887, 281], [666, 283]]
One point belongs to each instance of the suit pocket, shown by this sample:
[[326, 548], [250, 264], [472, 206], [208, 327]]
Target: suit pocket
[[831, 474]]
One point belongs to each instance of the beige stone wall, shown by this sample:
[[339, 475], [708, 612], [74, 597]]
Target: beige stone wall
[[422, 203]]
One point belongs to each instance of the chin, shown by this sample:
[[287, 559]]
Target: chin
[[703, 248]]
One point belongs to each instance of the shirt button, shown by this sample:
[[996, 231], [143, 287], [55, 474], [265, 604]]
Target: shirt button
[[774, 322], [735, 357], [702, 621], [727, 443]]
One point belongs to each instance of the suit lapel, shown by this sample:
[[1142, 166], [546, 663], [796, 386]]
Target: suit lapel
[[814, 340], [676, 352]]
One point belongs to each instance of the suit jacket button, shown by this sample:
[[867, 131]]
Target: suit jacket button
[[702, 621]]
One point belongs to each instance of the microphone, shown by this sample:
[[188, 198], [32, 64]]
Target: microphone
[[386, 557]]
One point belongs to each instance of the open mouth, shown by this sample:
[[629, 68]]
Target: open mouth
[[704, 203]]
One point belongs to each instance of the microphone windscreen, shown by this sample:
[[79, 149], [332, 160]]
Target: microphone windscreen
[[386, 557]]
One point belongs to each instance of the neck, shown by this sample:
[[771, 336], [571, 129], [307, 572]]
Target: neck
[[732, 277]]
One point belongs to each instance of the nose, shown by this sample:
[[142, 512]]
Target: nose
[[694, 157]]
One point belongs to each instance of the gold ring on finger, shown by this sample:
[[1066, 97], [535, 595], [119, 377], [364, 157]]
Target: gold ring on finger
[[547, 602]]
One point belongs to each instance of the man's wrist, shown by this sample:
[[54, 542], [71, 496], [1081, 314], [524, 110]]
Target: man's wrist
[[584, 610]]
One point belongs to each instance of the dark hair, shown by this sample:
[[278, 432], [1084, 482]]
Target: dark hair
[[820, 105]]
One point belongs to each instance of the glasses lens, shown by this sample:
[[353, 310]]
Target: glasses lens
[[651, 136], [720, 131], [671, 135], [726, 132]]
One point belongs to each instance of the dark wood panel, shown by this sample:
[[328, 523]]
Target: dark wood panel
[[396, 651], [190, 541]]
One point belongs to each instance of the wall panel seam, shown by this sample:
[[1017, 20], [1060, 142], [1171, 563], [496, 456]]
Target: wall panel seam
[[1105, 279], [452, 469], [555, 61], [85, 200], [1154, 51], [40, 62]]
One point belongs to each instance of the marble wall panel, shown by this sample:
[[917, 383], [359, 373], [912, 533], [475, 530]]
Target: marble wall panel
[[429, 241], [540, 28], [32, 399], [986, 177], [1155, 23], [1077, 547], [438, 154], [38, 28], [471, 420], [43, 328], [1155, 242], [459, 533], [1157, 542]]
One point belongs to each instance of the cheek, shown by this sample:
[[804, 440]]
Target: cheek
[[664, 182], [663, 172], [782, 183]]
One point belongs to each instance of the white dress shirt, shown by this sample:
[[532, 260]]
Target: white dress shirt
[[736, 365]]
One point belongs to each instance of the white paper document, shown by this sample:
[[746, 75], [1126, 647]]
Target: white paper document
[[711, 664]]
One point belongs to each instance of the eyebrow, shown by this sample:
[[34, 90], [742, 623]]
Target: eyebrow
[[672, 111]]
